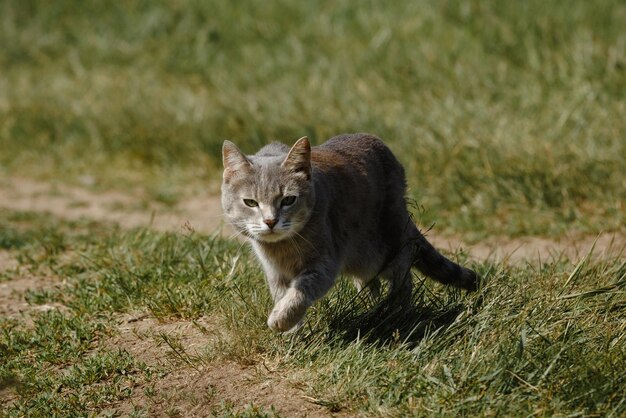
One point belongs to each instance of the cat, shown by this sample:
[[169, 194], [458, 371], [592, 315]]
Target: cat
[[313, 213]]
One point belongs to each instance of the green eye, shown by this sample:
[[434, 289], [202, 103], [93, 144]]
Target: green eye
[[250, 203], [288, 201]]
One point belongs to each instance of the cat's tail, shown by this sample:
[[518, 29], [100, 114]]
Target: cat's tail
[[433, 264]]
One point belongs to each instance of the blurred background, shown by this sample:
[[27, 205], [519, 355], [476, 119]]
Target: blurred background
[[510, 117]]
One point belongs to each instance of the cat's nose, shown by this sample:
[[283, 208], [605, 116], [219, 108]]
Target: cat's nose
[[270, 222]]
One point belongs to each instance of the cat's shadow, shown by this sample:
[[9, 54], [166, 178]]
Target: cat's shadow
[[391, 321]]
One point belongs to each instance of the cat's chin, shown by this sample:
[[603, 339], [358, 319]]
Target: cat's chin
[[270, 237]]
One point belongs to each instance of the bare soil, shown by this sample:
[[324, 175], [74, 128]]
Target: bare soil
[[195, 391], [7, 261], [12, 292], [536, 249], [202, 212]]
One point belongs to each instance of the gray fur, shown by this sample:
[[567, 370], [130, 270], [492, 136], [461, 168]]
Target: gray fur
[[349, 216]]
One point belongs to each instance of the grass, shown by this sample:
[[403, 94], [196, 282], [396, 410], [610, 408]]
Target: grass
[[508, 117], [57, 371], [546, 340]]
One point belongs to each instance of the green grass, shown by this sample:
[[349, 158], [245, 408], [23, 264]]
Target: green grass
[[56, 369], [509, 118], [546, 339]]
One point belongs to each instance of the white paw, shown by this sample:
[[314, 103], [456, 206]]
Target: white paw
[[288, 312], [279, 324]]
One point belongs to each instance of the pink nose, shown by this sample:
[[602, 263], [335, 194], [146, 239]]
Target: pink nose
[[270, 222]]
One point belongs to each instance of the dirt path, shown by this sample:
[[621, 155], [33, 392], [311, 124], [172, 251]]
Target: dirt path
[[203, 213], [126, 209]]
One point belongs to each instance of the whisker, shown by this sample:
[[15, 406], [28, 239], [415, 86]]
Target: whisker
[[242, 244], [304, 239], [296, 247], [235, 235]]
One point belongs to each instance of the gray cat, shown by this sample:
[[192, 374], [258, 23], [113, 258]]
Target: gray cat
[[312, 213]]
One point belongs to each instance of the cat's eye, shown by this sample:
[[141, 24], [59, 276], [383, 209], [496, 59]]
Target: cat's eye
[[251, 203], [288, 201]]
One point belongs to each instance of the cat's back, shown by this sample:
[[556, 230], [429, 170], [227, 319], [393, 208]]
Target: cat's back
[[360, 188], [358, 154]]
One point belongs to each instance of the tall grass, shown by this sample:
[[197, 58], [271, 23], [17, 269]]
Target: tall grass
[[509, 117]]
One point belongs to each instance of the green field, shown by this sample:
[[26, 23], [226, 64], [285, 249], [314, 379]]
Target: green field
[[509, 117]]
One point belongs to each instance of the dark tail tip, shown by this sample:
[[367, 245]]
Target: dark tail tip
[[433, 264], [468, 280]]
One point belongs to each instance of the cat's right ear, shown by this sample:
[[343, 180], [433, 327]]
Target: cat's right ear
[[233, 159]]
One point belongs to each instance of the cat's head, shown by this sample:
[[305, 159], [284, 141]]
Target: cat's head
[[268, 197]]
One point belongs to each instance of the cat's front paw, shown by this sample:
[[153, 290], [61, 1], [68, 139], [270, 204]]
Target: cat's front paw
[[279, 325], [288, 312]]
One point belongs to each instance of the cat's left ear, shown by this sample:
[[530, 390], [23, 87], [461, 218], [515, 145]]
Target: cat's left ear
[[233, 159], [299, 157]]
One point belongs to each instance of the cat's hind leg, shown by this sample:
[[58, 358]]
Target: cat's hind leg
[[372, 285], [398, 273]]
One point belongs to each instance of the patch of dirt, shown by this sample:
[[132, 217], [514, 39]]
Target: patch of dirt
[[195, 388], [203, 212], [145, 337], [16, 283], [199, 392], [536, 249], [7, 261], [12, 301]]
